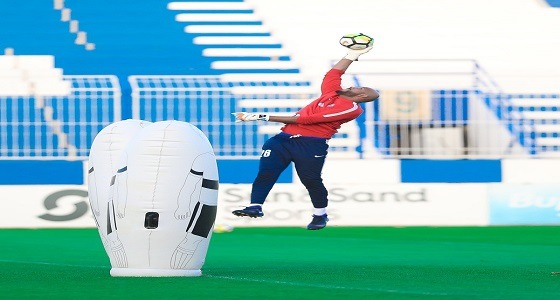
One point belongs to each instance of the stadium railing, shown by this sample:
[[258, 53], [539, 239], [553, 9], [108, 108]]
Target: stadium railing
[[428, 109], [440, 108], [422, 113], [208, 101], [53, 127]]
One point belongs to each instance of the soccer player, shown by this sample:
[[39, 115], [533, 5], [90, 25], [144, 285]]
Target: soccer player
[[304, 140]]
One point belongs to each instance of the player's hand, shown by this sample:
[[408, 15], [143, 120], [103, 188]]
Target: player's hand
[[244, 116], [354, 54]]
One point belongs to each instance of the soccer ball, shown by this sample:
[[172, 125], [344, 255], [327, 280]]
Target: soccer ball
[[356, 41], [222, 228]]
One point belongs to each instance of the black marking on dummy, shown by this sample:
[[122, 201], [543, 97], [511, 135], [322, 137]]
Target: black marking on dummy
[[205, 220], [109, 227], [196, 172], [151, 220], [90, 170], [123, 169], [210, 184], [193, 215]]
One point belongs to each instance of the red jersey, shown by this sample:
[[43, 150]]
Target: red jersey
[[322, 117]]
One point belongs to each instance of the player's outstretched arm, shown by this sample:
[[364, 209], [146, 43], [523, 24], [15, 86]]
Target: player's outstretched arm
[[351, 56], [246, 117]]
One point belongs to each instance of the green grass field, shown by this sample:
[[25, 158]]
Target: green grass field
[[293, 263]]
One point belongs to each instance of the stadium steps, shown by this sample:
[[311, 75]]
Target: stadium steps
[[233, 36]]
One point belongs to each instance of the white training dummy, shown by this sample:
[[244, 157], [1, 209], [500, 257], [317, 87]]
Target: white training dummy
[[163, 202], [104, 156]]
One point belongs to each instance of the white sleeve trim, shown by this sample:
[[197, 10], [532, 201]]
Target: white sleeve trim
[[353, 108]]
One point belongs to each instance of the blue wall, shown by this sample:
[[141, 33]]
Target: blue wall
[[245, 170], [28, 172], [15, 172], [453, 171]]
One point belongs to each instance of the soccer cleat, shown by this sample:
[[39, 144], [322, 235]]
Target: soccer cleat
[[318, 222], [254, 211]]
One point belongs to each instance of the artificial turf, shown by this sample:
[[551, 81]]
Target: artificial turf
[[294, 263]]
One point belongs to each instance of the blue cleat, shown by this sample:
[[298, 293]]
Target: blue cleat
[[254, 211], [318, 222]]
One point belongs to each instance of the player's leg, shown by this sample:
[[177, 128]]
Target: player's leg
[[274, 160], [309, 162]]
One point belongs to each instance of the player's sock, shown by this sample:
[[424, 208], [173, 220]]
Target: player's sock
[[319, 211]]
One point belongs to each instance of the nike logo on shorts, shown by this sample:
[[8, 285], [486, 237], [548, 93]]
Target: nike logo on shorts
[[319, 155]]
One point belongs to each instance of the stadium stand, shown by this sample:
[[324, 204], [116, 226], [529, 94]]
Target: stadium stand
[[181, 59], [54, 119], [231, 33], [99, 39]]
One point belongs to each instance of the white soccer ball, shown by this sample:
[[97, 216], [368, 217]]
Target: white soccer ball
[[356, 41]]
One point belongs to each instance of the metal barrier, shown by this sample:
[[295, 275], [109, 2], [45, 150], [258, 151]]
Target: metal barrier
[[50, 127], [427, 109], [440, 109], [208, 101]]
